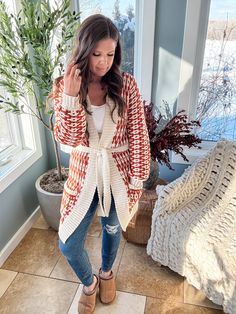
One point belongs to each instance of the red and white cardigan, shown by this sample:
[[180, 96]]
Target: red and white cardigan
[[109, 163]]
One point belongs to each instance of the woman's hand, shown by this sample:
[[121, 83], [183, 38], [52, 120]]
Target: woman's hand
[[72, 80]]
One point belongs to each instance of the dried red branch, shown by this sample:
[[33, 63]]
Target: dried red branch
[[173, 136]]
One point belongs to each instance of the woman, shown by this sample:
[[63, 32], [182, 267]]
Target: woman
[[99, 112]]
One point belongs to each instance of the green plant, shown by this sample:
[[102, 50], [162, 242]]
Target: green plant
[[33, 46]]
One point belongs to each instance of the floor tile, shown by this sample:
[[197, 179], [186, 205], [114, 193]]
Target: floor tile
[[30, 294], [36, 254], [197, 297], [127, 303], [6, 278], [63, 271], [41, 223], [74, 305], [159, 306], [124, 303], [139, 274], [93, 244]]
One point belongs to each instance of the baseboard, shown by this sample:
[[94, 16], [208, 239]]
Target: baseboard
[[18, 236]]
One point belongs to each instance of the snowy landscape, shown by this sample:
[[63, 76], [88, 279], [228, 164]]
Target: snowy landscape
[[217, 98]]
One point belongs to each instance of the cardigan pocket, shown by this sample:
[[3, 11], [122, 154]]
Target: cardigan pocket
[[134, 196], [69, 197], [134, 193], [69, 190]]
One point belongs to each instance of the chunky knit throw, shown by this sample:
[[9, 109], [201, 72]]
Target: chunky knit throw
[[194, 225], [109, 163]]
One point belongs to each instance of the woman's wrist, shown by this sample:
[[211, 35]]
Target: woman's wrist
[[69, 102], [71, 94]]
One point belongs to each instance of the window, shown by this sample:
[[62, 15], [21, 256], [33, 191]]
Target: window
[[6, 137], [208, 70], [216, 107], [195, 34], [10, 139], [20, 144]]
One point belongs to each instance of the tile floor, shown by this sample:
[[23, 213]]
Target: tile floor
[[37, 279]]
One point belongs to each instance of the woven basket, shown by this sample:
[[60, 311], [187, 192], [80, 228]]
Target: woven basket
[[139, 228]]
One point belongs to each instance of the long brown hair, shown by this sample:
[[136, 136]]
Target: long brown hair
[[93, 29]]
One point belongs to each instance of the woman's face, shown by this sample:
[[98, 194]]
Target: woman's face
[[101, 58]]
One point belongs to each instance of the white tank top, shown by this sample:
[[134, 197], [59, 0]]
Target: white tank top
[[98, 113]]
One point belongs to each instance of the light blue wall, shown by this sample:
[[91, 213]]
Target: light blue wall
[[19, 200], [170, 19]]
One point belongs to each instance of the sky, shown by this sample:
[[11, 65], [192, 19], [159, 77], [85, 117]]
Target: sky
[[220, 8]]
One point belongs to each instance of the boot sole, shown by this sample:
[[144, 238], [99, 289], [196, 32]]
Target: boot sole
[[107, 302]]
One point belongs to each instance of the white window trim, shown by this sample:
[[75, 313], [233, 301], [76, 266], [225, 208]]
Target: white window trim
[[195, 32], [24, 159]]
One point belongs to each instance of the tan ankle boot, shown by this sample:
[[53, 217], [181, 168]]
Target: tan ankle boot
[[107, 288], [87, 301]]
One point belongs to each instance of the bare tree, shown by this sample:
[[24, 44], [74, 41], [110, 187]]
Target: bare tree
[[216, 102]]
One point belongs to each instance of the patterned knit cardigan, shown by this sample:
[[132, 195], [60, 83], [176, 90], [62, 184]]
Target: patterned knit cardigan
[[108, 163]]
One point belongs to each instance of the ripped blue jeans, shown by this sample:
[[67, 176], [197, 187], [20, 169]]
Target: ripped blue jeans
[[75, 251]]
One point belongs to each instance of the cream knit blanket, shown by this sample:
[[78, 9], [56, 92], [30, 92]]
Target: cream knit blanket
[[194, 225]]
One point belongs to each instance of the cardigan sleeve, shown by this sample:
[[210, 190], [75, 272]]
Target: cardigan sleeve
[[139, 146], [70, 118]]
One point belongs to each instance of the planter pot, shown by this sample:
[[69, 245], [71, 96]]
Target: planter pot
[[49, 204]]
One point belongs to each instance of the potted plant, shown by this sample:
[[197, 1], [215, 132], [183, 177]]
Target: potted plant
[[33, 46], [167, 135]]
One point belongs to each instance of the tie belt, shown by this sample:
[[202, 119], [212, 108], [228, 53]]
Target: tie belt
[[102, 171]]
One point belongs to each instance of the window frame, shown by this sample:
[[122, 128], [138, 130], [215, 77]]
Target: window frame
[[144, 37], [27, 156], [195, 33], [23, 159], [14, 122]]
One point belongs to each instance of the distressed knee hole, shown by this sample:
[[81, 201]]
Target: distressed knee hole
[[112, 229]]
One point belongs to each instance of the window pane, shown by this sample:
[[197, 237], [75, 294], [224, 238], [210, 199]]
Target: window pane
[[5, 134], [10, 132], [123, 15], [217, 99]]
